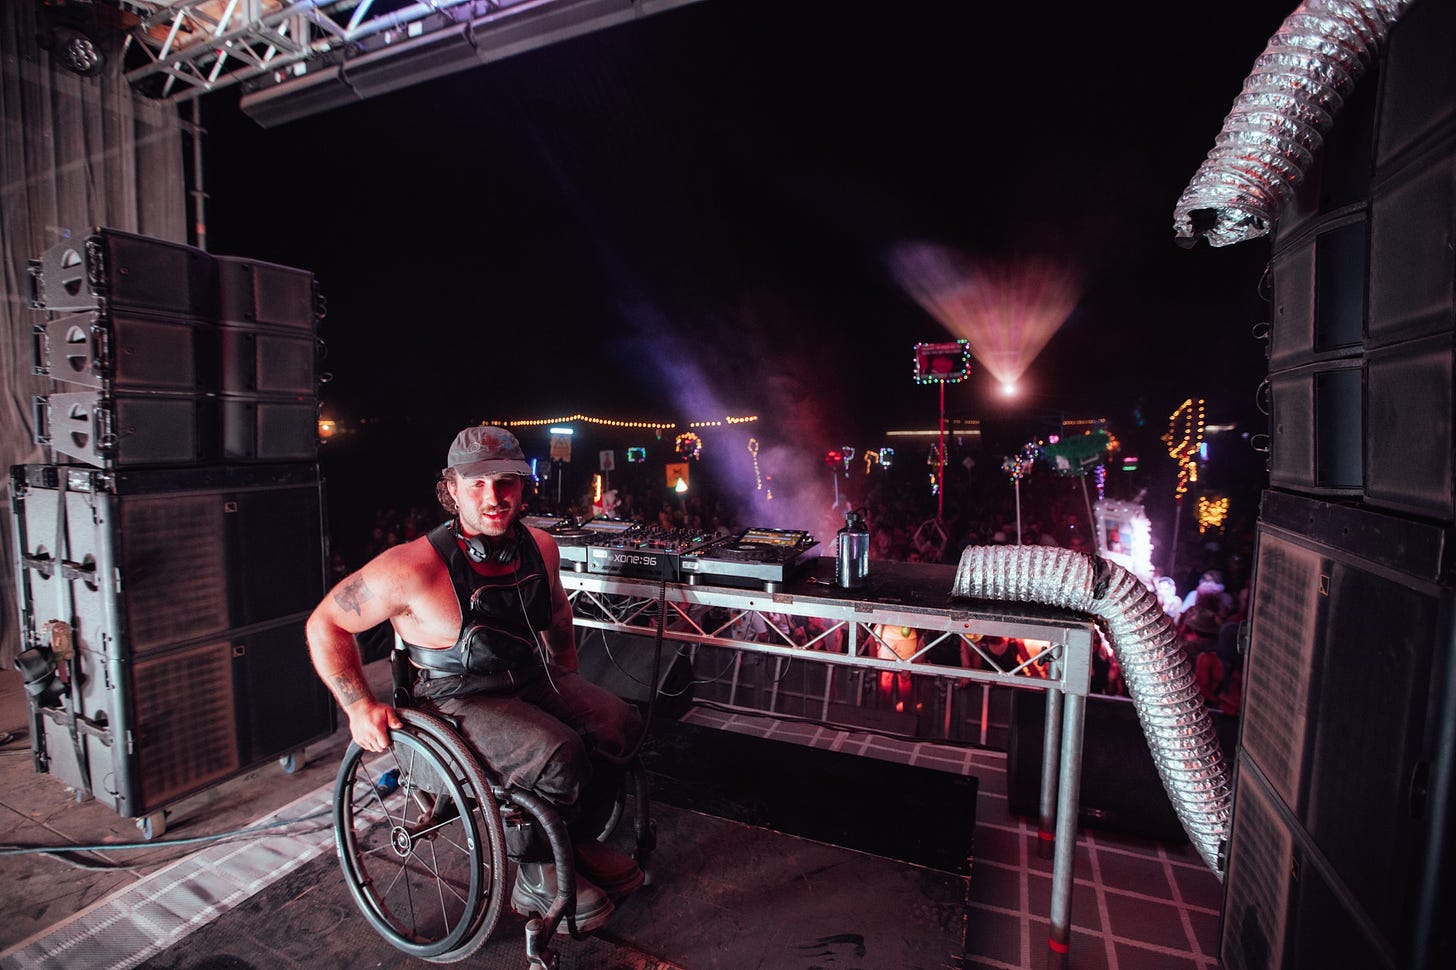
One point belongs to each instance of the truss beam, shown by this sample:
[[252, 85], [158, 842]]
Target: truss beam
[[182, 49]]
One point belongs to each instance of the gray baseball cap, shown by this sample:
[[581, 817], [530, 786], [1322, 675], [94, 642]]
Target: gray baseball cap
[[485, 450]]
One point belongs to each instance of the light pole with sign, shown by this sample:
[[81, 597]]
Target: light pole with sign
[[942, 363]]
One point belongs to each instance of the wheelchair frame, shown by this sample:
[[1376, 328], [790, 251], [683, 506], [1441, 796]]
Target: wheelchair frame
[[421, 837]]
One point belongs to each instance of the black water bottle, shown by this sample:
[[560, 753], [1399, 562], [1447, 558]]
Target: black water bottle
[[852, 554]]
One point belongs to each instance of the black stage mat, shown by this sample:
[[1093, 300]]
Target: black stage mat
[[721, 896], [917, 815], [307, 920]]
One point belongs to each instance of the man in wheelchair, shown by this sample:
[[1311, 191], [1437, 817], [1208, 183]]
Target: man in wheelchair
[[479, 605]]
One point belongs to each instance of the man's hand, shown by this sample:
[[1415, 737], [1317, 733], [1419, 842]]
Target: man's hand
[[370, 722]]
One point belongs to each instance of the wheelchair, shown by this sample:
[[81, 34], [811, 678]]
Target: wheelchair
[[423, 832]]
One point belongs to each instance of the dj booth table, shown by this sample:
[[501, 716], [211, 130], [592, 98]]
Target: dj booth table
[[896, 594]]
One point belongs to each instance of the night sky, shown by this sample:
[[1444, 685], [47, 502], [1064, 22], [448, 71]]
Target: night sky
[[697, 214]]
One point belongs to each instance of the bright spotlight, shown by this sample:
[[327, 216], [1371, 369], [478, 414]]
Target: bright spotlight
[[1007, 312], [1008, 389]]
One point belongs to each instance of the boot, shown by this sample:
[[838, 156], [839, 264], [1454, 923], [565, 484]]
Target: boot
[[614, 871], [535, 890]]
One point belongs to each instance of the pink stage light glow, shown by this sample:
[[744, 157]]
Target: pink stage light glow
[[1007, 312]]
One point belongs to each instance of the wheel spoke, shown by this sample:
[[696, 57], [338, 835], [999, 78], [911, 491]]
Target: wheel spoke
[[441, 823], [440, 884]]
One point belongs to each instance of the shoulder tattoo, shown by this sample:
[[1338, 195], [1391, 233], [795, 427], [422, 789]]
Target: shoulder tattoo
[[353, 593]]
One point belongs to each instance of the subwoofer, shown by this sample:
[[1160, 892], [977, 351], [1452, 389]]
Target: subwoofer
[[172, 604], [622, 663], [1343, 798]]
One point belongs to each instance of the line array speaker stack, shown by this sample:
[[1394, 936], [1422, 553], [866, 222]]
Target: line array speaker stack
[[1340, 847], [169, 555], [172, 356]]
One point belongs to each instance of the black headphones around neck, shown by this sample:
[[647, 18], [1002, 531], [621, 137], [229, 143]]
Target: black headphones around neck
[[480, 549]]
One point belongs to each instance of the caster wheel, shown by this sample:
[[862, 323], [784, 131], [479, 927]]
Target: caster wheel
[[291, 762], [153, 826]]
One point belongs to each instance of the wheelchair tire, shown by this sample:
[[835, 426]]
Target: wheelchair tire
[[423, 850]]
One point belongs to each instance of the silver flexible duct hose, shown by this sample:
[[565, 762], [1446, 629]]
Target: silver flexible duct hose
[[1278, 122], [1158, 673]]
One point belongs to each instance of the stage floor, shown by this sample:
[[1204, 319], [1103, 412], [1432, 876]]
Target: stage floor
[[737, 882]]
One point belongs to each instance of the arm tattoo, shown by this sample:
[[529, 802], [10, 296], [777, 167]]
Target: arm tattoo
[[352, 594], [348, 689]]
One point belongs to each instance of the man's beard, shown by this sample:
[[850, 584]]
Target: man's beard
[[492, 527]]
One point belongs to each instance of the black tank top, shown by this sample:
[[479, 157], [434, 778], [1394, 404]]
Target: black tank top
[[498, 614]]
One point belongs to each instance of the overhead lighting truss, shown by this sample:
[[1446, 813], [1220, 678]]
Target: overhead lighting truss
[[186, 48]]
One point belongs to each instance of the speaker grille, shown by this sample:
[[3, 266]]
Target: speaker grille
[[1256, 888], [1277, 682], [175, 577], [186, 725], [258, 428], [251, 292], [115, 430], [1369, 716]]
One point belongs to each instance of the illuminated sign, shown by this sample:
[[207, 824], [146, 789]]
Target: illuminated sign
[[943, 363]]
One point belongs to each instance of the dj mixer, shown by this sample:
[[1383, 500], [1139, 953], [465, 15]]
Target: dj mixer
[[753, 558]]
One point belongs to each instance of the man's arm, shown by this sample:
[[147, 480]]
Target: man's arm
[[560, 636], [360, 601]]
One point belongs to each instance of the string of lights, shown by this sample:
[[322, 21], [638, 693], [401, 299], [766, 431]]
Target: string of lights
[[1212, 512], [617, 423], [688, 445], [1184, 439]]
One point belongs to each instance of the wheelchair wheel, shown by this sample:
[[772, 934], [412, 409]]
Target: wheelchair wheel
[[420, 841]]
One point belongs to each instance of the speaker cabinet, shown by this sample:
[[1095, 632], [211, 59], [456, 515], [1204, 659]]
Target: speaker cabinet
[[1412, 232], [1343, 794], [1340, 175], [1316, 391], [1316, 420], [1411, 342], [1411, 332], [1409, 462], [1340, 846], [141, 735], [113, 270], [174, 603], [1417, 88], [252, 293], [263, 428], [177, 357], [124, 431], [1319, 292], [163, 557], [622, 663], [127, 352], [131, 352], [128, 430], [1283, 907], [260, 361]]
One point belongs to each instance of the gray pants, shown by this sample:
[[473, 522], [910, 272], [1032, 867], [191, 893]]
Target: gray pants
[[562, 738]]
